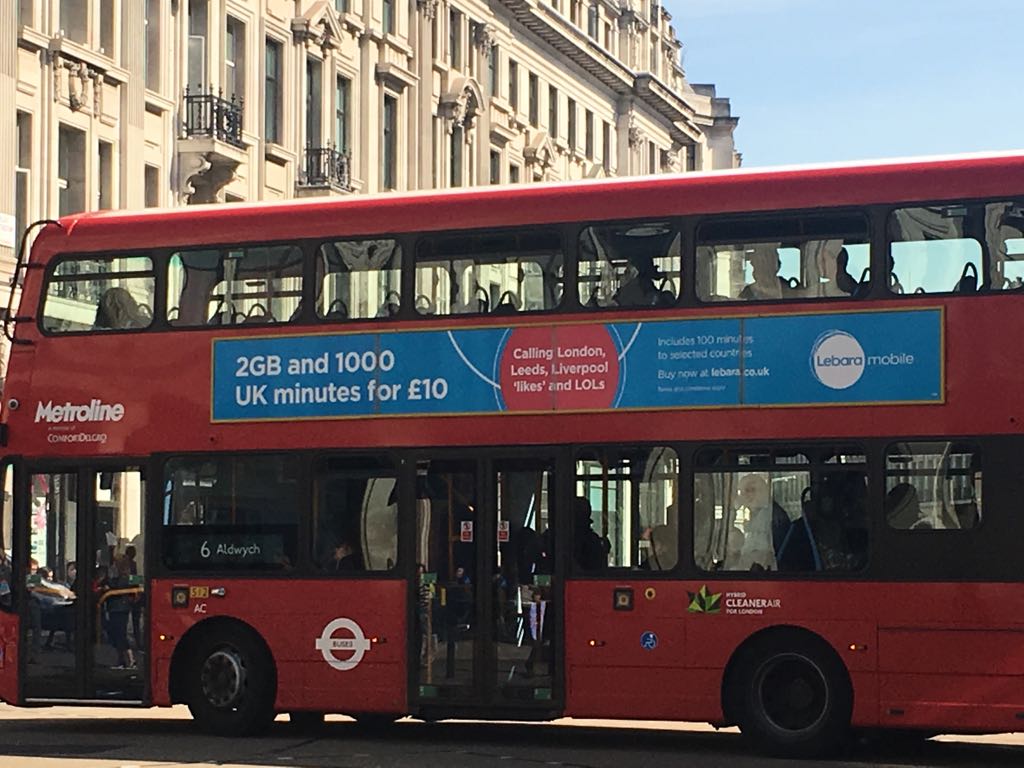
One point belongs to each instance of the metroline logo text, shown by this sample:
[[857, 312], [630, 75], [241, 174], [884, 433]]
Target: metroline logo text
[[69, 413]]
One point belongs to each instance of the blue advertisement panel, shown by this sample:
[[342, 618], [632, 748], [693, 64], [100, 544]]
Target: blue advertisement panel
[[808, 359]]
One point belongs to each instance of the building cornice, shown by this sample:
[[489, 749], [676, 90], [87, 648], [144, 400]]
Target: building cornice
[[667, 103], [567, 40]]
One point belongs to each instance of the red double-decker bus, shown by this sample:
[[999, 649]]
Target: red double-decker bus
[[738, 447]]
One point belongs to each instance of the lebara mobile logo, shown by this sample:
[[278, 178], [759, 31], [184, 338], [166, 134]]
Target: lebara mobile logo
[[703, 601], [72, 413], [837, 359]]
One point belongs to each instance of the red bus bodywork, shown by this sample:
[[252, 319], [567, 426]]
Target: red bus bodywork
[[946, 656]]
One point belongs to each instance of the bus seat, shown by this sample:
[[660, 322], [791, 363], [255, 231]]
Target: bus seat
[[968, 282], [391, 306], [337, 310], [258, 314], [508, 304], [902, 508]]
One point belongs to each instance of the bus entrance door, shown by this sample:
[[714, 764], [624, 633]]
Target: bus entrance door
[[82, 618], [521, 565], [486, 620]]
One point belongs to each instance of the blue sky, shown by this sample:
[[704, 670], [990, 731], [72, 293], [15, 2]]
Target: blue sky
[[833, 80]]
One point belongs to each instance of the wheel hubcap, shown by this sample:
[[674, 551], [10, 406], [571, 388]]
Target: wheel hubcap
[[793, 693], [223, 678]]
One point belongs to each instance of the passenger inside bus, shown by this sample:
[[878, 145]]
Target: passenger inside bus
[[825, 260], [343, 557], [835, 507], [640, 289], [664, 549], [590, 549], [772, 541], [845, 282], [118, 309], [767, 283]]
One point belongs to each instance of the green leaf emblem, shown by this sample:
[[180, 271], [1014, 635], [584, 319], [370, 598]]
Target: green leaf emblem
[[703, 601]]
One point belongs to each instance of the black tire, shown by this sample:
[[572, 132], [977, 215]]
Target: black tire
[[231, 683], [307, 722], [792, 697]]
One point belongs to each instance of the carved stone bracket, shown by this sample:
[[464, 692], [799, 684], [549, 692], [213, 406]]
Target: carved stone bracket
[[202, 176], [97, 91], [485, 37], [670, 161], [191, 166], [428, 8], [633, 132], [74, 80]]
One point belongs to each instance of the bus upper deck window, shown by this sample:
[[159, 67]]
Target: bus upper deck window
[[957, 248], [235, 286], [502, 273], [359, 279], [631, 264], [1004, 232], [102, 294], [933, 251], [788, 258]]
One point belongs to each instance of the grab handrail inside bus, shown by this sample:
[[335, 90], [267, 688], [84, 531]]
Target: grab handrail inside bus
[[19, 263]]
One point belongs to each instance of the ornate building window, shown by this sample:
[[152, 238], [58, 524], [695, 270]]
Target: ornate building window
[[513, 84], [314, 102], [553, 111], [534, 100], [389, 144], [272, 93], [455, 39], [71, 170], [152, 49], [458, 148], [234, 59], [342, 109]]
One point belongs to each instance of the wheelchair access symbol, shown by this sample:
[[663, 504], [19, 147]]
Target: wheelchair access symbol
[[355, 646], [648, 641]]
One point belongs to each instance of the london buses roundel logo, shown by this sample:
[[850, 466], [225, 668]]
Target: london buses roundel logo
[[837, 359], [343, 652]]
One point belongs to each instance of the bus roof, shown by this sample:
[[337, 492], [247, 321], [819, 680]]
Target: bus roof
[[739, 190]]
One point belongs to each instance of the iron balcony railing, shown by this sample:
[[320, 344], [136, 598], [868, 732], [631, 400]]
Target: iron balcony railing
[[326, 167], [209, 114]]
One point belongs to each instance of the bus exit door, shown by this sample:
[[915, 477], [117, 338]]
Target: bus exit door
[[82, 600], [486, 629]]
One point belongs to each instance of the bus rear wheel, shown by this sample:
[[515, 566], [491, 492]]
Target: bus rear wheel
[[793, 697], [231, 684]]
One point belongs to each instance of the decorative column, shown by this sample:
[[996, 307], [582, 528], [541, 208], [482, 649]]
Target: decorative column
[[426, 99], [485, 37], [133, 105]]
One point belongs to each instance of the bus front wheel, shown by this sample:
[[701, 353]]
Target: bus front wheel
[[231, 685], [793, 696]]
